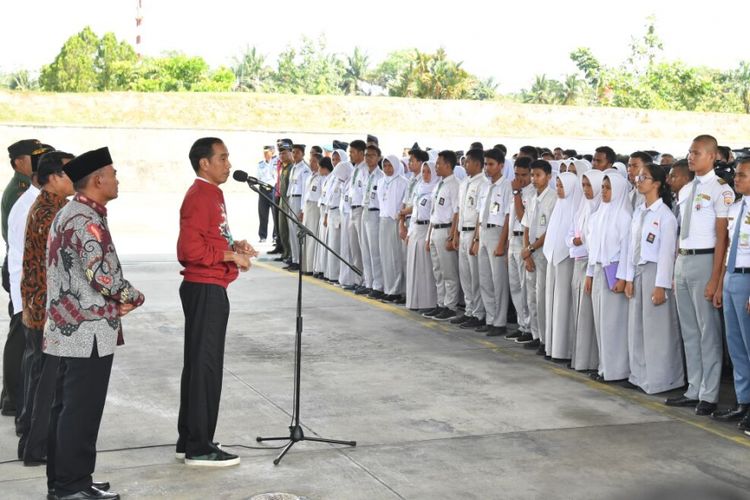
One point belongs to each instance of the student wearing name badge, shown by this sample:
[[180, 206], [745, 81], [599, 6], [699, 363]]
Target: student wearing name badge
[[310, 214], [356, 194], [585, 351], [609, 236], [736, 300], [421, 291], [325, 167], [391, 189], [654, 344], [341, 171], [373, 267], [536, 223]]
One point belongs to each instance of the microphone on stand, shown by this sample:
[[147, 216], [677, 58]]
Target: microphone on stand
[[241, 176]]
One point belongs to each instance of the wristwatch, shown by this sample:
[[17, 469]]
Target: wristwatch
[[516, 192], [530, 248]]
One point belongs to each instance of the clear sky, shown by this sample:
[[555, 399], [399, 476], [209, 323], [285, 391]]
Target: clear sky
[[510, 41]]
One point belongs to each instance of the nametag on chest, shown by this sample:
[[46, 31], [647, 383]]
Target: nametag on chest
[[495, 208], [651, 237], [441, 201], [314, 188], [543, 220]]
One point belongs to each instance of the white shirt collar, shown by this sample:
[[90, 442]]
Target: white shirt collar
[[655, 205], [202, 179], [706, 178]]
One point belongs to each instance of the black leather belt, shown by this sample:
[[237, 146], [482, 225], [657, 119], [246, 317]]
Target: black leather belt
[[440, 226], [356, 206], [296, 196], [695, 251], [493, 225], [517, 233], [374, 209], [467, 229], [333, 208], [422, 222], [741, 270]]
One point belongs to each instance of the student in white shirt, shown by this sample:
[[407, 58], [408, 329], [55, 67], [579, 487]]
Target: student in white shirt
[[341, 173], [559, 328], [310, 213], [297, 180], [321, 254], [704, 206], [372, 266], [736, 299], [491, 243], [421, 291], [609, 235], [585, 352], [443, 224], [653, 335], [469, 193], [391, 189]]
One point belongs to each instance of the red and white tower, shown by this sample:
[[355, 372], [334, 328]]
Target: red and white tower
[[138, 23]]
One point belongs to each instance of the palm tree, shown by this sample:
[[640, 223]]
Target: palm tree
[[569, 90], [250, 70], [356, 70]]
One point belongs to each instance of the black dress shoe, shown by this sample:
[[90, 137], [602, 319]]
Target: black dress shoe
[[533, 344], [514, 335], [307, 273], [400, 300], [102, 486], [731, 414], [524, 338], [705, 408], [472, 323], [541, 350], [279, 259], [376, 294], [681, 401], [275, 251], [629, 385], [744, 424], [460, 320], [91, 493], [497, 331], [362, 290], [482, 328], [432, 312]]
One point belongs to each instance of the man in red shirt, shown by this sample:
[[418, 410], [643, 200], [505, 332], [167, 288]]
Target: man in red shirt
[[211, 259]]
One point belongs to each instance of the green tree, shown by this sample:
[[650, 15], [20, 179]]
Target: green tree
[[482, 90], [74, 69], [309, 69], [115, 63], [21, 80], [251, 72], [389, 73], [543, 91], [356, 71], [740, 79], [644, 50], [569, 90]]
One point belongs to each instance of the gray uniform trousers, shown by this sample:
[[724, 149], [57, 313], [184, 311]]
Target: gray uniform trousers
[[700, 325], [468, 271], [392, 257], [295, 202], [354, 226], [585, 349], [517, 280], [334, 241], [611, 322], [493, 276], [321, 254], [653, 337], [421, 292], [346, 275], [312, 222], [445, 269], [536, 283], [371, 223], [560, 328]]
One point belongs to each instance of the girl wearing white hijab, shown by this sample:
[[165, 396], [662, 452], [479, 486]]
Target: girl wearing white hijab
[[421, 291], [579, 167], [559, 327], [609, 237], [321, 254], [341, 173], [391, 189], [585, 350], [655, 347]]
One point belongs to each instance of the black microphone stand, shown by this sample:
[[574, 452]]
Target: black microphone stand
[[295, 429]]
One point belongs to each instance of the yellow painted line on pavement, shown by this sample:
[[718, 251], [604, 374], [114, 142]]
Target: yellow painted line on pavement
[[629, 394]]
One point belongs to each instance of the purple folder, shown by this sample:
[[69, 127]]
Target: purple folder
[[610, 272]]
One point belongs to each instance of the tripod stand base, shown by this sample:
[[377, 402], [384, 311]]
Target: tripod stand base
[[296, 435]]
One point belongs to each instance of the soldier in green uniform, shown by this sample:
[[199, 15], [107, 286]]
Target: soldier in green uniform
[[285, 155], [20, 160]]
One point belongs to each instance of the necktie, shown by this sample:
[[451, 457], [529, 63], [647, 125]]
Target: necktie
[[735, 240], [534, 216], [487, 204], [688, 205], [639, 237], [632, 201]]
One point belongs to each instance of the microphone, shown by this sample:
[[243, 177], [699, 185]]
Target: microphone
[[241, 176]]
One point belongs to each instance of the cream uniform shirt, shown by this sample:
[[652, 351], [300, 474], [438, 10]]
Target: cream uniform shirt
[[444, 200], [468, 199], [499, 196], [743, 245], [713, 197], [656, 228], [538, 213]]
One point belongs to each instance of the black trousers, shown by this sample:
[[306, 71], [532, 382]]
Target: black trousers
[[275, 211], [36, 440], [31, 372], [12, 357], [206, 309], [264, 207], [80, 393]]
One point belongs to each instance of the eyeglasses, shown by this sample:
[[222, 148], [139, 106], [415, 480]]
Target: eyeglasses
[[643, 178]]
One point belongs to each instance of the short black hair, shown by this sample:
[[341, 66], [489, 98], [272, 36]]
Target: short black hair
[[449, 156], [502, 148], [476, 155], [419, 155], [496, 154], [301, 147], [683, 166], [316, 149], [724, 153], [326, 163], [358, 144], [523, 162], [202, 148], [530, 151], [709, 139], [51, 163], [608, 152], [570, 153], [643, 156], [476, 145], [541, 165], [373, 147]]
